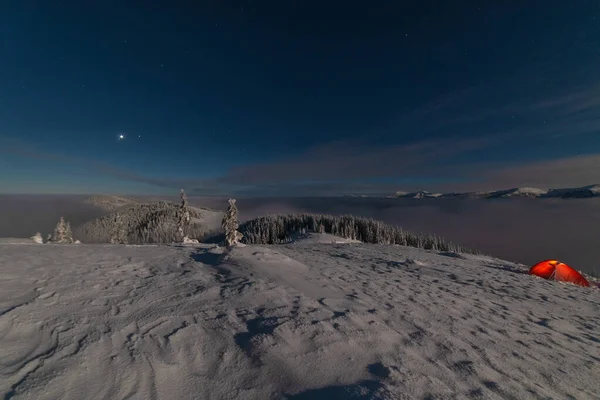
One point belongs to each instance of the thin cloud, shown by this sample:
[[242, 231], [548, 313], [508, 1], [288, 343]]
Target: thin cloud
[[83, 166], [345, 168], [573, 102], [564, 172], [358, 162], [483, 109], [328, 169]]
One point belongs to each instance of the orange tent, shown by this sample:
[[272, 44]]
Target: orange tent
[[554, 269]]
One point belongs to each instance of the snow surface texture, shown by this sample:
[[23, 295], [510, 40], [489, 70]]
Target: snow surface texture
[[298, 321], [312, 237], [17, 241]]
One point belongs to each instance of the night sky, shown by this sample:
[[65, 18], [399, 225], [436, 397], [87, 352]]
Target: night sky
[[298, 97]]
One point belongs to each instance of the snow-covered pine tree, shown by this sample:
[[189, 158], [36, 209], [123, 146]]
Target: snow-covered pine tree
[[68, 233], [321, 228], [230, 224], [118, 235], [183, 221], [37, 238], [59, 231]]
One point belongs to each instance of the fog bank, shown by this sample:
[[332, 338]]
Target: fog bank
[[521, 230]]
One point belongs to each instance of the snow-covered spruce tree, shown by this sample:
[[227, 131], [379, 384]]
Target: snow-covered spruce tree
[[321, 228], [62, 232], [183, 219], [37, 238], [68, 233], [230, 224], [118, 234], [59, 231]]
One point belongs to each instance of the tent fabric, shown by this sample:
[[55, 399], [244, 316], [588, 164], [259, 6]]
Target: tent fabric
[[559, 271]]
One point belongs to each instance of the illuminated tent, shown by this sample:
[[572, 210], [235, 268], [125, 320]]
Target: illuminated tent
[[554, 269]]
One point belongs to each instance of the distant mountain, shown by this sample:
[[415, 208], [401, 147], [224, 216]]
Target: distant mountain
[[421, 194], [110, 202], [516, 192], [582, 192], [523, 192]]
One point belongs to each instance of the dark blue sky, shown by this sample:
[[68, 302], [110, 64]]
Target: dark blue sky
[[298, 97]]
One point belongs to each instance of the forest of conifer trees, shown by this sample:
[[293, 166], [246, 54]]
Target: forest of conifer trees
[[276, 229]]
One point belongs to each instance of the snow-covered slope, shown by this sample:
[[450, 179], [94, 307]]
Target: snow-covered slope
[[421, 194], [582, 192], [298, 321], [516, 192], [149, 223], [16, 241], [312, 237]]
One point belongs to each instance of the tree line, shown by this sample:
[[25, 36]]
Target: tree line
[[165, 222], [278, 229]]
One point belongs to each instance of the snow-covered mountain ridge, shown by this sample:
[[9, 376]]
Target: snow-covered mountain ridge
[[110, 202], [580, 192], [306, 320]]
